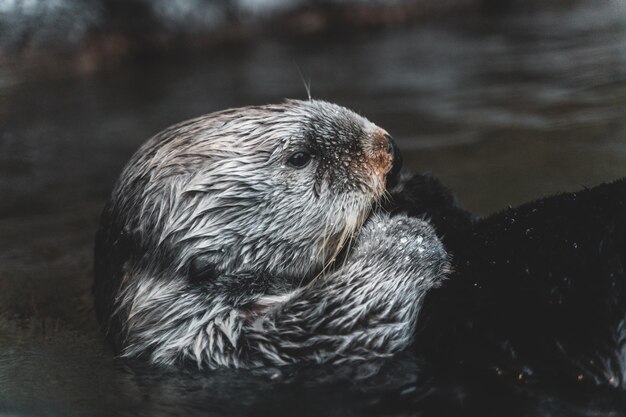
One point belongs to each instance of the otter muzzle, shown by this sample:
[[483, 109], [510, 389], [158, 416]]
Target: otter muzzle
[[396, 164]]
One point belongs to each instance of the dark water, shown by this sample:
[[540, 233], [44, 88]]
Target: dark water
[[502, 108]]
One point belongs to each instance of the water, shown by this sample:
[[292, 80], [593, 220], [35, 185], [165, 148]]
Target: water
[[502, 108]]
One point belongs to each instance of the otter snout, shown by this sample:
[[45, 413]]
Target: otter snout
[[396, 162], [387, 159]]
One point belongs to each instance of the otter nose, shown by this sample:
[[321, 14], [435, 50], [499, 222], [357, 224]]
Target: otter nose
[[394, 151]]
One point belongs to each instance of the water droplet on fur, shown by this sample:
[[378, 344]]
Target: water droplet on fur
[[575, 245], [420, 239], [420, 249], [403, 240]]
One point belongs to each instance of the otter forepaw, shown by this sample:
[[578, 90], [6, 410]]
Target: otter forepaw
[[402, 233]]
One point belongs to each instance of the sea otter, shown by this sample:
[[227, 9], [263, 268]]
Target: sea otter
[[280, 234], [251, 237]]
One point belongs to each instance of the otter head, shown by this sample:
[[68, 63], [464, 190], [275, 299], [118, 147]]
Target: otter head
[[276, 189]]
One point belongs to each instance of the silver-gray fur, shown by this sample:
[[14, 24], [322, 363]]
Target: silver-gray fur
[[214, 249]]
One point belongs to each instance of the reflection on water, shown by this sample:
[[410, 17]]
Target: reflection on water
[[503, 108]]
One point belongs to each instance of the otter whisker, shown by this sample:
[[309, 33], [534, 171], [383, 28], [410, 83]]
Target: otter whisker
[[307, 86], [386, 197], [323, 247], [326, 234], [330, 260], [340, 241], [350, 240]]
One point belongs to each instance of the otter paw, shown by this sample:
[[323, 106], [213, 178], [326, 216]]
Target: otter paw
[[402, 238]]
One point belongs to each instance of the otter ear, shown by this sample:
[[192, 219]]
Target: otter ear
[[202, 269]]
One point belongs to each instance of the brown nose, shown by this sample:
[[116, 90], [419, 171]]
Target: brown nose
[[396, 161]]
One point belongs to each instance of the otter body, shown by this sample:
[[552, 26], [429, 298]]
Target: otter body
[[270, 235], [537, 292], [246, 238]]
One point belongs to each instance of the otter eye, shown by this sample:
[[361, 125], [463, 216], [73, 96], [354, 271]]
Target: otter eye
[[300, 159]]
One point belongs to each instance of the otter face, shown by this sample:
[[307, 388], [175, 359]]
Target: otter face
[[277, 189]]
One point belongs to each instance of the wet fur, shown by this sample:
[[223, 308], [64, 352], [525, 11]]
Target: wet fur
[[213, 251], [537, 293]]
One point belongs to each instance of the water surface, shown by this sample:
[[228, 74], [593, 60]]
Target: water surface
[[504, 108]]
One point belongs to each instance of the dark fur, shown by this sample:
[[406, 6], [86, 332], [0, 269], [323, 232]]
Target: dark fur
[[538, 290]]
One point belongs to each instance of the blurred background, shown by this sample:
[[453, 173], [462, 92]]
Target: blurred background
[[504, 100]]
